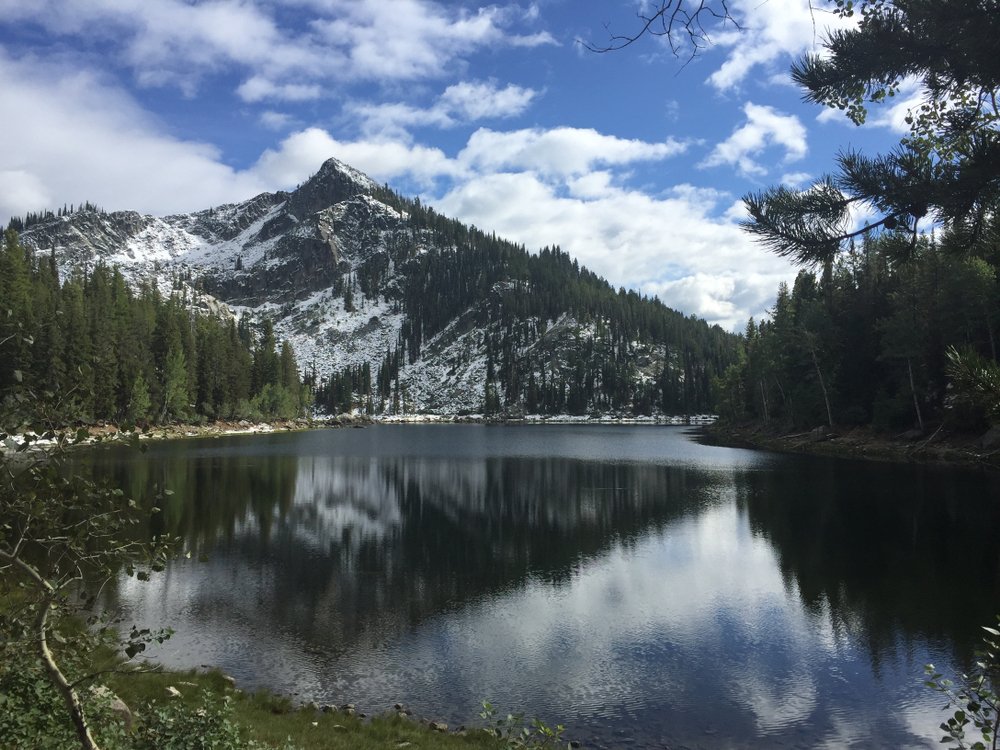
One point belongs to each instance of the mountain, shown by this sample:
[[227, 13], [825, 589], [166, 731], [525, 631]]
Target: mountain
[[392, 308]]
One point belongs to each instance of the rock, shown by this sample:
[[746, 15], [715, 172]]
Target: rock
[[912, 435], [118, 707], [438, 726], [311, 706], [817, 434], [347, 706], [327, 708], [230, 681], [991, 439], [574, 743], [173, 692], [398, 706]]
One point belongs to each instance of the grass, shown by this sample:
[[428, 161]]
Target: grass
[[273, 720], [270, 719]]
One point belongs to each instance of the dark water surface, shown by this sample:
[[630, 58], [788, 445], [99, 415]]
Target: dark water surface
[[643, 589]]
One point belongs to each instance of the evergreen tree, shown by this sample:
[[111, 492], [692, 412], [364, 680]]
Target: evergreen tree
[[175, 391], [139, 401]]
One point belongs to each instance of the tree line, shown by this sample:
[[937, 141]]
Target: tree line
[[866, 340], [89, 348]]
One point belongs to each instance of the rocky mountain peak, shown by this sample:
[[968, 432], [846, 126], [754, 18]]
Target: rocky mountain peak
[[334, 183]]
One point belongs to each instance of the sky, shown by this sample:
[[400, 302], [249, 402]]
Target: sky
[[632, 161]]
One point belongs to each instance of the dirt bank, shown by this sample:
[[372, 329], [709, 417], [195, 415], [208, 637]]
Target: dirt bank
[[940, 446]]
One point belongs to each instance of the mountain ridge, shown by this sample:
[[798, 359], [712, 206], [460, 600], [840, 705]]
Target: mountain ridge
[[393, 308]]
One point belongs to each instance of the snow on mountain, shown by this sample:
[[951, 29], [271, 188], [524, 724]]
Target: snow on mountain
[[329, 264]]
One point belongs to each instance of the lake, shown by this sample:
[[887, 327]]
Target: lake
[[641, 588]]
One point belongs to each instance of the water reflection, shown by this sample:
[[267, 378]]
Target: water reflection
[[625, 581]]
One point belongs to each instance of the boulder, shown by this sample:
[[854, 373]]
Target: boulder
[[118, 707]]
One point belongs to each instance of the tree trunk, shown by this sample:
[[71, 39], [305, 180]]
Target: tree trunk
[[763, 399], [822, 385], [68, 692], [69, 695], [913, 392]]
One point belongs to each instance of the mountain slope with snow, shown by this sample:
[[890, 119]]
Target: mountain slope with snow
[[395, 309]]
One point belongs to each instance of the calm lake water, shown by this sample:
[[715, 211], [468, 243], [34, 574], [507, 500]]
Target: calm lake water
[[628, 582]]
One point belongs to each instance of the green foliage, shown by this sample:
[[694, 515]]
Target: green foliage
[[975, 722], [90, 348], [62, 537], [945, 169], [976, 381], [511, 732], [33, 714], [880, 329], [176, 726], [139, 404]]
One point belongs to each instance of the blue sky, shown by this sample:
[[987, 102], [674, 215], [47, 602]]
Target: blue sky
[[632, 161]]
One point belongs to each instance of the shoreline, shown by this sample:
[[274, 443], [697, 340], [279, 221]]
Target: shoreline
[[107, 433], [941, 448]]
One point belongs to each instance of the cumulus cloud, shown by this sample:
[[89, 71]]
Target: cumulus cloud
[[461, 102], [771, 32], [795, 179], [113, 153], [275, 120], [174, 42], [257, 89], [300, 154], [765, 127], [558, 151]]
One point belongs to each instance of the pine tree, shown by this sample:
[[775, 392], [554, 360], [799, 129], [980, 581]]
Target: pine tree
[[139, 401], [175, 390]]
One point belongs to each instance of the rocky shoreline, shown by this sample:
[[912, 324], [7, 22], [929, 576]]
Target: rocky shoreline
[[939, 447]]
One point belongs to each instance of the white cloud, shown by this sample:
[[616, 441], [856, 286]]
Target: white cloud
[[459, 103], [473, 100], [257, 89], [275, 120], [795, 179], [22, 191], [558, 151], [174, 42], [416, 39], [301, 153], [770, 33], [765, 127], [72, 137]]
